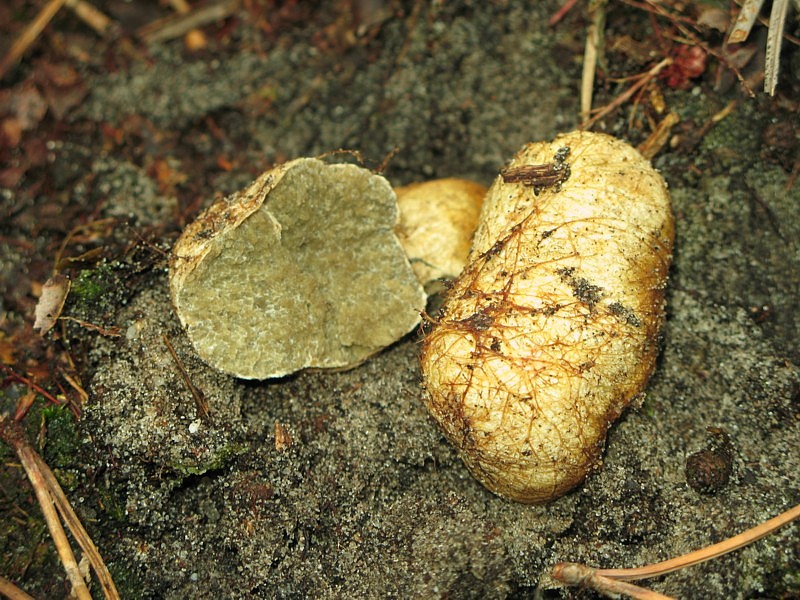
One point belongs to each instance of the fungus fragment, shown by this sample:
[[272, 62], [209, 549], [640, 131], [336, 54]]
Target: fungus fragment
[[301, 269], [437, 220], [552, 329]]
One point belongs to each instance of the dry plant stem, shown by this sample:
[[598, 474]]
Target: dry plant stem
[[29, 35], [85, 228], [679, 22], [744, 22], [604, 580], [704, 554], [12, 592], [174, 26], [180, 6], [583, 576], [28, 459], [95, 19], [104, 331], [594, 37], [199, 398], [624, 96], [701, 132], [32, 385], [777, 18], [49, 492], [77, 530], [659, 138], [560, 13]]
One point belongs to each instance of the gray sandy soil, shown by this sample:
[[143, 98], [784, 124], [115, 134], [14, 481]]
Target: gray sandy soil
[[368, 499]]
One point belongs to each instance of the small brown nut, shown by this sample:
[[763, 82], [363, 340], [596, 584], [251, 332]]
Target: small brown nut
[[709, 470], [437, 220], [552, 329]]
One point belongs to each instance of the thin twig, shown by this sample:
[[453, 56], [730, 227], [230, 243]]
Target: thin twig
[[76, 528], [112, 331], [31, 384], [27, 457], [82, 228], [624, 96], [680, 23], [707, 553], [199, 398], [11, 591], [603, 580], [176, 25], [103, 25], [29, 35], [556, 17], [52, 497]]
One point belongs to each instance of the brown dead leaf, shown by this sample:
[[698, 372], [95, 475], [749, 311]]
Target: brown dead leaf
[[51, 302], [713, 17], [82, 260], [10, 132], [167, 174], [6, 349], [25, 103], [24, 404], [62, 86]]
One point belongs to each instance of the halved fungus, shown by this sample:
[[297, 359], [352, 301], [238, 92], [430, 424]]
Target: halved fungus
[[301, 269]]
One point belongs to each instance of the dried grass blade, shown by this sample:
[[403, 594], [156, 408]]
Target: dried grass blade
[[29, 35], [704, 554], [32, 466], [12, 592], [777, 19], [744, 22], [76, 528]]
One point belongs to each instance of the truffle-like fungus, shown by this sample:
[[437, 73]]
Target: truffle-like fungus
[[552, 329], [301, 269], [437, 220]]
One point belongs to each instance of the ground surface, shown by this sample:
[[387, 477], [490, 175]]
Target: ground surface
[[367, 499]]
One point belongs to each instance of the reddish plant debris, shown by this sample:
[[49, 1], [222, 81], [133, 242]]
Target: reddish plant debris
[[689, 62]]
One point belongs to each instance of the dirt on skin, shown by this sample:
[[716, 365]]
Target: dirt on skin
[[338, 484]]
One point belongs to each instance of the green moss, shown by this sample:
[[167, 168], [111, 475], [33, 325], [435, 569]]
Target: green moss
[[92, 284], [63, 441], [212, 462], [112, 503]]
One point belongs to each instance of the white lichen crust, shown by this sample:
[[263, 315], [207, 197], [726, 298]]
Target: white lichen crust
[[552, 329]]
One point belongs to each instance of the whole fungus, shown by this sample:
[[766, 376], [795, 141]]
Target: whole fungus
[[301, 269], [553, 327], [437, 221]]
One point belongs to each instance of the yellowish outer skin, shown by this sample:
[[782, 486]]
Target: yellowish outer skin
[[552, 329], [437, 221]]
